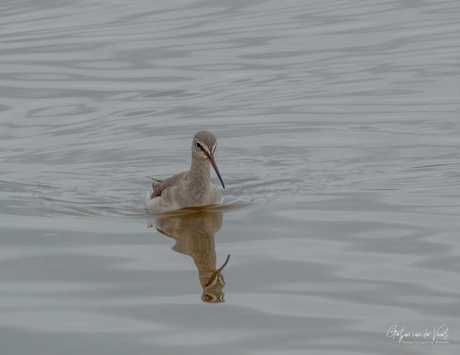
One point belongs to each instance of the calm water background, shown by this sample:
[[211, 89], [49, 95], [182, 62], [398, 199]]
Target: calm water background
[[339, 134]]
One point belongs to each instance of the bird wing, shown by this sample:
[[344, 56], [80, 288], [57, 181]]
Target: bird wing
[[161, 185]]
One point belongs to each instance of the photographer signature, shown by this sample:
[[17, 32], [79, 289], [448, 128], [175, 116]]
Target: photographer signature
[[402, 334]]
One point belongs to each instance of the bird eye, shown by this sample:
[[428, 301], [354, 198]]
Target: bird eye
[[198, 145]]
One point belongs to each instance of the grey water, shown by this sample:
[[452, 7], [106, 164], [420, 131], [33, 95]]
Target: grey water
[[338, 140]]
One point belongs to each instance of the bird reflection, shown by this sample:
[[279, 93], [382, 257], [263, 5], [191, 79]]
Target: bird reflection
[[194, 235]]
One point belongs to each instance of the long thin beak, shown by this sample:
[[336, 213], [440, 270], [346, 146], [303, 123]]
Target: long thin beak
[[216, 273], [211, 160]]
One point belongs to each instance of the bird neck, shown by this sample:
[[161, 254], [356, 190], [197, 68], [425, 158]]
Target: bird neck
[[200, 170]]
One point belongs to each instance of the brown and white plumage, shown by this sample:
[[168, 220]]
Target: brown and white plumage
[[191, 188]]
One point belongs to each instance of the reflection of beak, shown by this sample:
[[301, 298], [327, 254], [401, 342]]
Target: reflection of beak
[[216, 273], [211, 160]]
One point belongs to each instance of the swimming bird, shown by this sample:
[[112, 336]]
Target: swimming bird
[[191, 188]]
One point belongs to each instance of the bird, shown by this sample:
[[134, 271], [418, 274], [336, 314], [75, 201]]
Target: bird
[[191, 188]]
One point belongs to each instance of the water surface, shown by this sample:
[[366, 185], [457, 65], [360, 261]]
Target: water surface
[[338, 135]]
